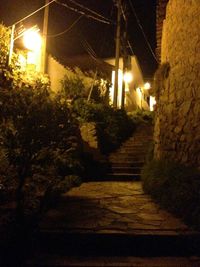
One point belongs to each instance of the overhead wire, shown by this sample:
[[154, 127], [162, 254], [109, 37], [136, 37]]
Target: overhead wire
[[89, 10], [131, 48], [66, 30], [126, 21], [83, 13], [33, 13], [89, 49], [142, 30]]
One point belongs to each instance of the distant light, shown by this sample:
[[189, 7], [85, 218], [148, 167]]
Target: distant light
[[32, 40], [152, 103], [147, 86], [139, 91], [128, 77]]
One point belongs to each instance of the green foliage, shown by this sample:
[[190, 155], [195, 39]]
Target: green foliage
[[99, 91], [141, 116], [4, 45], [12, 75], [113, 125], [175, 187], [88, 111], [39, 142], [72, 87], [77, 84]]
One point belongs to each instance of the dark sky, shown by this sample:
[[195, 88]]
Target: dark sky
[[99, 36]]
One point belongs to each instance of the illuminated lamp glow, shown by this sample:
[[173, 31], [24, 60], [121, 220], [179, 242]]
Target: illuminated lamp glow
[[152, 103], [32, 40], [147, 86], [128, 77]]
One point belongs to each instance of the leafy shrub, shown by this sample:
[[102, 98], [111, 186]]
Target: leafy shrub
[[77, 84], [141, 116], [72, 87], [113, 125], [175, 187], [39, 142], [4, 44]]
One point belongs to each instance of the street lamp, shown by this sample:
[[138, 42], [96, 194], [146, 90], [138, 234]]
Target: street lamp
[[32, 40], [147, 86], [128, 77]]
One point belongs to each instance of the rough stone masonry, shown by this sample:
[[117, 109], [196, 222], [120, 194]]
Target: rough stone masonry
[[177, 126]]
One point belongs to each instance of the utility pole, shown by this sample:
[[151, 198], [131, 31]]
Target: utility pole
[[11, 44], [117, 52], [44, 35], [125, 59]]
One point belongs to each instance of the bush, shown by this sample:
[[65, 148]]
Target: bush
[[39, 144], [175, 187], [113, 125], [141, 116]]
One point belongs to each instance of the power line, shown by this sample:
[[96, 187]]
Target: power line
[[66, 30], [141, 28], [89, 49], [82, 12], [131, 48], [33, 13], [88, 9]]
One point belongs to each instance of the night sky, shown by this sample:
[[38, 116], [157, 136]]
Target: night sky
[[99, 36]]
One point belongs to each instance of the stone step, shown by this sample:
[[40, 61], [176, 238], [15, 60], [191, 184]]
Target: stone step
[[126, 158], [125, 169], [140, 137], [131, 145], [109, 219], [130, 149], [146, 244], [122, 176], [133, 148], [138, 163], [44, 260], [139, 140], [128, 152]]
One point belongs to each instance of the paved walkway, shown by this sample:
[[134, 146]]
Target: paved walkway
[[113, 222], [111, 207]]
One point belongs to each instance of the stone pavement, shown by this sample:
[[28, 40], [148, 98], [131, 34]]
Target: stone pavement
[[113, 224], [111, 207]]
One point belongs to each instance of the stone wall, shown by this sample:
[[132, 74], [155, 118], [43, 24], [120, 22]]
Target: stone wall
[[90, 140], [177, 127]]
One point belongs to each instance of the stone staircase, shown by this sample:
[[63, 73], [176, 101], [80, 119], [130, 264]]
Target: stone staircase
[[126, 163], [112, 222]]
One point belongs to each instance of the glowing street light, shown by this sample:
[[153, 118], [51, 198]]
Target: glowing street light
[[128, 77], [147, 86], [32, 40]]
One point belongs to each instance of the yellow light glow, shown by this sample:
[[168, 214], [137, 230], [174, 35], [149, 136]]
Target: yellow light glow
[[152, 103], [128, 77], [147, 86], [32, 40]]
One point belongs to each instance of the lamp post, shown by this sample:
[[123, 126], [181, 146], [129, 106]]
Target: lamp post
[[11, 44], [44, 35], [31, 41], [117, 53]]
